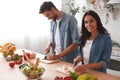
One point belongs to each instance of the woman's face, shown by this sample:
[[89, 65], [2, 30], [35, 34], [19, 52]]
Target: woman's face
[[90, 23]]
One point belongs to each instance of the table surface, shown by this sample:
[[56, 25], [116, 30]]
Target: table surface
[[7, 73]]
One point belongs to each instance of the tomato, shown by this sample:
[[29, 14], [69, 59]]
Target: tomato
[[67, 78], [18, 61], [12, 64]]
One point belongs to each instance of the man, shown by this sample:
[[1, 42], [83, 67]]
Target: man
[[64, 33]]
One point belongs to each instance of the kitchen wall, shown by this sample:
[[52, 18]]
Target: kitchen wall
[[110, 21]]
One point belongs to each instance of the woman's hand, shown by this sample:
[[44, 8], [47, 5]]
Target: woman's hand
[[77, 60], [80, 69]]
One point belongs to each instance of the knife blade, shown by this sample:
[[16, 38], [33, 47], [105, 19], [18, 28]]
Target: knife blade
[[74, 64]]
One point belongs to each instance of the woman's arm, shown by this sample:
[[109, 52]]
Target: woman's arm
[[82, 68]]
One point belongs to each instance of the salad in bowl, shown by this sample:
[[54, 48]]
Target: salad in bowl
[[32, 71], [29, 71]]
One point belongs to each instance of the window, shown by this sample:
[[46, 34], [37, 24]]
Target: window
[[21, 23]]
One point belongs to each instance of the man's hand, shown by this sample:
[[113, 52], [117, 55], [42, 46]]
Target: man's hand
[[52, 57], [47, 49]]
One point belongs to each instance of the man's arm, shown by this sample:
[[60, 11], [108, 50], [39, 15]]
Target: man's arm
[[69, 49], [47, 48]]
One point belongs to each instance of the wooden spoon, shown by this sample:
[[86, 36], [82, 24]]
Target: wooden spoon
[[32, 74], [30, 63]]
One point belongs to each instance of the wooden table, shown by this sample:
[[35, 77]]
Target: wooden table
[[7, 73]]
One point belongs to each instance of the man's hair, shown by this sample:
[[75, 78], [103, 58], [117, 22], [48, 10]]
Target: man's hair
[[46, 6]]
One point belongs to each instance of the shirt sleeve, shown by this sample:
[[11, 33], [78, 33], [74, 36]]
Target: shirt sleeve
[[107, 53], [74, 30]]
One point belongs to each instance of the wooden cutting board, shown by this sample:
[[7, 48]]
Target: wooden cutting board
[[49, 61], [63, 70]]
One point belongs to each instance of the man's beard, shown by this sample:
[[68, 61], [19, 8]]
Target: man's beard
[[54, 18]]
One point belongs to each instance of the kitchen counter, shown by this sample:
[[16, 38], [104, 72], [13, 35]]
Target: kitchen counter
[[50, 72]]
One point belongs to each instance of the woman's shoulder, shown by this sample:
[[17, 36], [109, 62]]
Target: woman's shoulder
[[104, 35], [105, 38]]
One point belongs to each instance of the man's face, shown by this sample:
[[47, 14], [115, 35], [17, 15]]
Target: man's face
[[50, 15]]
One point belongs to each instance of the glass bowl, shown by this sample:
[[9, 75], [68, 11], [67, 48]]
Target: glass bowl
[[29, 73]]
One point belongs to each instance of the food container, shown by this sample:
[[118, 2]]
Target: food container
[[28, 71]]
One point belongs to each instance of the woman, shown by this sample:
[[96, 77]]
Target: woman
[[96, 45]]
